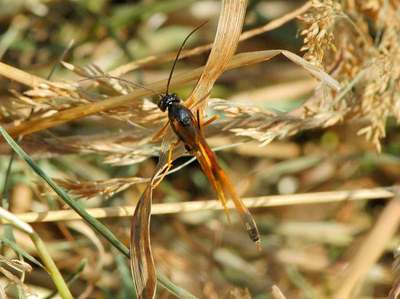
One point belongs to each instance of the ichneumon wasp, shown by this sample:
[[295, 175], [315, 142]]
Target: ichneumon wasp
[[188, 129]]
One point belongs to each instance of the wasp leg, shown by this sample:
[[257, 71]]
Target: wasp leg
[[210, 120], [201, 124], [168, 165]]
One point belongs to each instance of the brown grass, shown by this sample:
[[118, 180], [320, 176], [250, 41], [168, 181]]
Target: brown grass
[[339, 91]]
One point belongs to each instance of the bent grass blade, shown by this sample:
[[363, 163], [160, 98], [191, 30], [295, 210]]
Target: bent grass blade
[[141, 256], [141, 261]]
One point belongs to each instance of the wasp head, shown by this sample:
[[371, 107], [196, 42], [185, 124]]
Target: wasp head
[[166, 100]]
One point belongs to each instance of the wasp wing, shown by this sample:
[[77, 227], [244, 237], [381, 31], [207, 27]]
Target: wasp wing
[[223, 186]]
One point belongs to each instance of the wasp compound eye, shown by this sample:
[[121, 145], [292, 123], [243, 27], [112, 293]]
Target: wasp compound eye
[[166, 100], [162, 104]]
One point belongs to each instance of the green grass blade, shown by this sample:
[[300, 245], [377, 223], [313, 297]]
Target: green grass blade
[[93, 222], [127, 282], [75, 205], [177, 291], [20, 251], [72, 277]]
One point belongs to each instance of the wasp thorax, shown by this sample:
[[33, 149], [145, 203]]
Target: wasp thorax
[[167, 100]]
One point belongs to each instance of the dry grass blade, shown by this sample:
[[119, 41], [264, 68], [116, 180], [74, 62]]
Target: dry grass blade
[[206, 205], [45, 122], [395, 290], [312, 69], [226, 40], [15, 271], [277, 293], [142, 262], [370, 250], [276, 23], [141, 256], [239, 60], [123, 69], [20, 76], [106, 188]]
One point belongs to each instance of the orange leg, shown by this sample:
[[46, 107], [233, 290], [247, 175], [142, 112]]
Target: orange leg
[[167, 166], [210, 120]]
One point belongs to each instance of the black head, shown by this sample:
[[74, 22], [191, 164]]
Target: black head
[[166, 100]]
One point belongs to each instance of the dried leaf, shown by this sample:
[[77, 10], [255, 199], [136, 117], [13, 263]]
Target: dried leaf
[[141, 257], [142, 262], [226, 40]]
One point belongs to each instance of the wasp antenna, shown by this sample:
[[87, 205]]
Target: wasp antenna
[[179, 53]]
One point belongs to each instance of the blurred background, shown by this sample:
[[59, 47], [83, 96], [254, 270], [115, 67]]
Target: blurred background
[[103, 159]]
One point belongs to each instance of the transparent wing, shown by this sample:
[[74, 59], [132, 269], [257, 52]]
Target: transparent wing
[[223, 186]]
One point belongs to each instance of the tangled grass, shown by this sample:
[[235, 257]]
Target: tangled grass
[[99, 127]]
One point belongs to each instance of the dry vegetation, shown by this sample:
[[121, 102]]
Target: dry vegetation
[[311, 143]]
